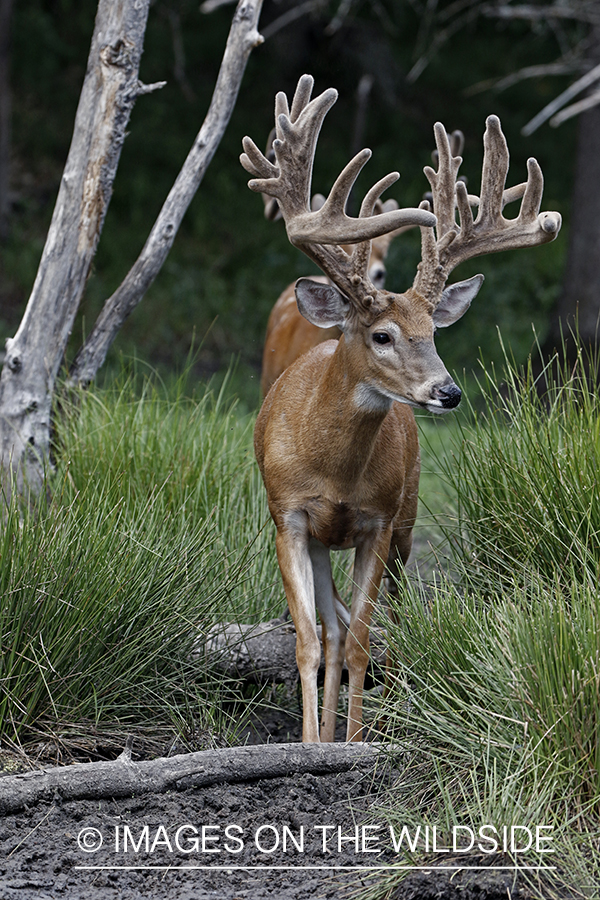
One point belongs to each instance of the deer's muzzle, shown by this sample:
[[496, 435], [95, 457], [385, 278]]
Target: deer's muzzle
[[448, 394]]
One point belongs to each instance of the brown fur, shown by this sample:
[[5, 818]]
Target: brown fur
[[343, 476]]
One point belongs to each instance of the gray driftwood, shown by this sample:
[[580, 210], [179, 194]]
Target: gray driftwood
[[266, 653], [34, 355], [126, 778]]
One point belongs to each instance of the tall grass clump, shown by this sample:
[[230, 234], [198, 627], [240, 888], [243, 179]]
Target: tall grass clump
[[154, 531], [526, 474], [495, 703]]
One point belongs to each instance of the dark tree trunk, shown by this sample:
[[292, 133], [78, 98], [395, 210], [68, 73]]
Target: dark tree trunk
[[579, 302], [5, 15], [580, 298]]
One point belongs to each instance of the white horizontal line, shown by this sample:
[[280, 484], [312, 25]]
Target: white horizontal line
[[306, 868]]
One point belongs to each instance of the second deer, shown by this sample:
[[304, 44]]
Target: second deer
[[336, 439]]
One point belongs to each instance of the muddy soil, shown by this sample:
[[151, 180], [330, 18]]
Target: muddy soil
[[217, 842], [290, 838], [294, 838]]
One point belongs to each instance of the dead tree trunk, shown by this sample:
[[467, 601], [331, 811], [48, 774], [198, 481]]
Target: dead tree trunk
[[109, 92], [126, 778], [34, 355], [242, 39]]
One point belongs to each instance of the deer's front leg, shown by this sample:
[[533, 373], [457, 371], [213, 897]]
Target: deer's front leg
[[297, 574], [369, 562]]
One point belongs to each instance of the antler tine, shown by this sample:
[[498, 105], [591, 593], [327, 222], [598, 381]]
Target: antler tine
[[272, 211], [457, 143], [255, 162], [302, 96], [368, 205], [320, 232], [443, 182], [490, 232], [289, 179], [534, 188], [494, 172]]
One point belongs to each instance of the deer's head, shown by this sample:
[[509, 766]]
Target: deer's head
[[389, 338]]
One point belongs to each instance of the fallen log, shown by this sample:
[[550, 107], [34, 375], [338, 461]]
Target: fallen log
[[265, 653], [124, 777]]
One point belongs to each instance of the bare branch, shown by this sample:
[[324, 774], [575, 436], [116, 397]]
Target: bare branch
[[179, 55], [575, 109], [580, 85], [243, 37], [340, 16], [438, 41], [580, 12], [290, 16], [210, 5], [142, 88], [541, 71]]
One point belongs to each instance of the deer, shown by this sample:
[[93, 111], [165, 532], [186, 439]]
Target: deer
[[336, 438], [289, 334]]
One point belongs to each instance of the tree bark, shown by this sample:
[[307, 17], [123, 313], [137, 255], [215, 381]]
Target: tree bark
[[243, 37], [580, 297], [5, 110], [266, 653], [126, 778], [579, 302], [34, 355], [109, 91]]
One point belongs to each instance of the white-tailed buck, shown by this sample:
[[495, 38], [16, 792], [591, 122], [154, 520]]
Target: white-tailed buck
[[336, 439], [289, 334]]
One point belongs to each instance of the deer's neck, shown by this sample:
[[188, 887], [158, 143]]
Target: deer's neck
[[348, 415]]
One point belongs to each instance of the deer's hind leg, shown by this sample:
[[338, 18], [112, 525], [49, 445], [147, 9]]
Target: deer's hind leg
[[334, 629], [395, 574]]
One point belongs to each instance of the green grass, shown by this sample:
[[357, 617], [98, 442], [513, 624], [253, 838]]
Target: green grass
[[495, 708], [156, 529], [527, 476]]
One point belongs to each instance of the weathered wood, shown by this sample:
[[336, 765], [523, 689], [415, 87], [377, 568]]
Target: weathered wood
[[126, 778], [34, 355], [243, 37], [109, 91], [266, 653]]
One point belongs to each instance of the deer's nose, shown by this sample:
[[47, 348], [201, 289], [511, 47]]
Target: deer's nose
[[449, 394]]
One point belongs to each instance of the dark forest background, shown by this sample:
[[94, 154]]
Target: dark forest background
[[228, 264]]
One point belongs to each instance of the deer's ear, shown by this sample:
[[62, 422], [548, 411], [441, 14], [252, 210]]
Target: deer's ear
[[456, 300], [321, 304]]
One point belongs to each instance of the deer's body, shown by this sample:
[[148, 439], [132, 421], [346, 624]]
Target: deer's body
[[331, 493], [336, 438]]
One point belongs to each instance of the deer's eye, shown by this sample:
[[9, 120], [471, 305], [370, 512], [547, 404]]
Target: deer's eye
[[380, 337]]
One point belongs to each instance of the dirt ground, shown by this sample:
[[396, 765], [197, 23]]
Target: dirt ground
[[285, 838], [157, 841]]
